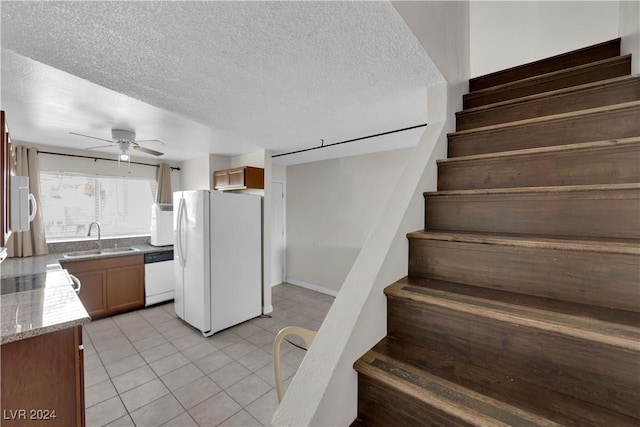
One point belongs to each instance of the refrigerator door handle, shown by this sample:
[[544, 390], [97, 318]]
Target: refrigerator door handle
[[181, 254]]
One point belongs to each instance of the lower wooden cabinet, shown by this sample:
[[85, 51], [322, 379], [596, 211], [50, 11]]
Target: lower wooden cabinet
[[43, 380], [110, 285]]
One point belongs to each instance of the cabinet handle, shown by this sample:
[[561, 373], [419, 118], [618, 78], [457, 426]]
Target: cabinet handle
[[81, 347], [77, 282]]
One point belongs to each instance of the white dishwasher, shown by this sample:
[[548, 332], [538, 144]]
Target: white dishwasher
[[158, 282]]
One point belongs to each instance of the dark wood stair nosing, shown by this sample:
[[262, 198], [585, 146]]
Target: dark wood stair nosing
[[560, 243], [608, 48], [547, 119], [582, 74], [622, 336], [576, 310], [542, 150], [494, 382], [461, 402], [590, 95], [542, 77], [591, 85]]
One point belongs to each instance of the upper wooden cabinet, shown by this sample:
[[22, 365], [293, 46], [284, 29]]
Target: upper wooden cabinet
[[7, 168], [238, 178]]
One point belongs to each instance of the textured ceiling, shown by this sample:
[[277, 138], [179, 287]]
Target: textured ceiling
[[220, 77]]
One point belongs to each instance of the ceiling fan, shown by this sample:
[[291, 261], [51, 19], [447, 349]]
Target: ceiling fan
[[123, 139]]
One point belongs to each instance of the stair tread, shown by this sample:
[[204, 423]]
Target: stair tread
[[563, 60], [547, 76], [603, 314], [543, 150], [532, 190], [590, 244], [492, 381], [553, 117], [449, 397], [544, 95], [579, 327]]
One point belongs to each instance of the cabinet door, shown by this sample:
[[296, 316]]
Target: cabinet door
[[93, 293], [41, 376], [220, 179], [125, 288], [236, 177], [7, 163]]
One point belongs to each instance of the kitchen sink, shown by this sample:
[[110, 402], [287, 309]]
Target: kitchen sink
[[118, 250], [93, 252]]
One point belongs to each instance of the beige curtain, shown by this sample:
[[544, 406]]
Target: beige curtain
[[32, 242], [164, 193]]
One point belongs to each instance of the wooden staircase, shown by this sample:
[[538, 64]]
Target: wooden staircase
[[522, 304]]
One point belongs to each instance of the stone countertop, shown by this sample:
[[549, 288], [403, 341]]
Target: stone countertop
[[50, 306], [14, 267], [53, 305]]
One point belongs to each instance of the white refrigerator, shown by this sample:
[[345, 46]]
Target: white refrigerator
[[218, 258]]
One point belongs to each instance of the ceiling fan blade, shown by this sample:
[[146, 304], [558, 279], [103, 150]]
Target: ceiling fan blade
[[147, 150], [150, 140], [101, 146], [93, 137]]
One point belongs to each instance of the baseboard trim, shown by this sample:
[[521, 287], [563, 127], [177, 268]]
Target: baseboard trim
[[312, 287]]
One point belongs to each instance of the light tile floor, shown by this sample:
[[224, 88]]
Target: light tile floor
[[148, 368]]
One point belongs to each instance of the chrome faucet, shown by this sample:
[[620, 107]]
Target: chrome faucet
[[99, 238]]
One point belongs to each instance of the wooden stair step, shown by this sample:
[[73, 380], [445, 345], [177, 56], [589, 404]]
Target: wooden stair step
[[601, 123], [579, 210], [599, 70], [615, 336], [598, 162], [569, 269], [396, 393], [458, 366], [608, 49], [537, 346], [590, 95], [603, 314]]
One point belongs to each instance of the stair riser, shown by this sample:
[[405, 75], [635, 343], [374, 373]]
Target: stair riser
[[382, 406], [580, 213], [590, 371], [614, 93], [568, 79], [599, 126], [614, 164], [570, 59], [577, 276]]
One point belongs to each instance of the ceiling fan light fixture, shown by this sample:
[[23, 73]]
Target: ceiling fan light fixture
[[124, 157]]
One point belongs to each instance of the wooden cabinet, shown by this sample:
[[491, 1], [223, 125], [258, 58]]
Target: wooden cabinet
[[110, 285], [238, 178], [43, 380], [7, 167]]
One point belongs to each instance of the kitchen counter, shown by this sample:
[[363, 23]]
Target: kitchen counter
[[37, 295]]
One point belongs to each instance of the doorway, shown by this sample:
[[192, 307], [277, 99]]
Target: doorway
[[278, 236]]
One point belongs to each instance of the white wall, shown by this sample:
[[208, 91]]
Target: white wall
[[332, 206], [195, 174], [630, 32], [505, 34]]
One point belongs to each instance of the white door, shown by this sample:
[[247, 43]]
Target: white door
[[278, 238]]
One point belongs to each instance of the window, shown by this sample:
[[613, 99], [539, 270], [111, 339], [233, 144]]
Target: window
[[70, 202]]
